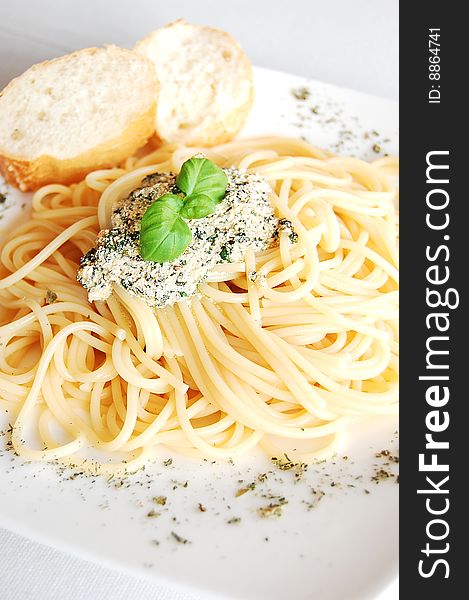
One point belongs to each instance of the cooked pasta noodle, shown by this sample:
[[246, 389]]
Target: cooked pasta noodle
[[283, 360]]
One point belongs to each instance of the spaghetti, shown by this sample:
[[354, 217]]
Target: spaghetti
[[280, 350]]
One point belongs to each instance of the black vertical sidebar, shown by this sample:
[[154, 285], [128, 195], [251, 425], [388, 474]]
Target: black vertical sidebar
[[434, 329]]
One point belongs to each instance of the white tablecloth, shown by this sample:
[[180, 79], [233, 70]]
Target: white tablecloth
[[353, 44]]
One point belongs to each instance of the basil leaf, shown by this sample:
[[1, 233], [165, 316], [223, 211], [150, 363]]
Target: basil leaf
[[163, 234], [198, 206], [167, 201], [202, 176]]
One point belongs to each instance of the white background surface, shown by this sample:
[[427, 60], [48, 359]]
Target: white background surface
[[352, 44]]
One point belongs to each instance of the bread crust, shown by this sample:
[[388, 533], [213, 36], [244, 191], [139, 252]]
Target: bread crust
[[220, 131], [29, 175]]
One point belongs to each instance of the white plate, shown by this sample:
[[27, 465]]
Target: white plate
[[342, 548]]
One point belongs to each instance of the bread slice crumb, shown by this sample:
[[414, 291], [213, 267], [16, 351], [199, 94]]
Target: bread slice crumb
[[206, 83], [65, 117]]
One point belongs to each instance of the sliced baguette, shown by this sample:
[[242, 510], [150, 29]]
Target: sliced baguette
[[65, 117], [206, 88]]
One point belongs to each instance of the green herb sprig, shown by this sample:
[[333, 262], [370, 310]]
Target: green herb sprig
[[164, 234]]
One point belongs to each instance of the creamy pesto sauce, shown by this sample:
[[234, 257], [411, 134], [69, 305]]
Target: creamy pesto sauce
[[244, 219]]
